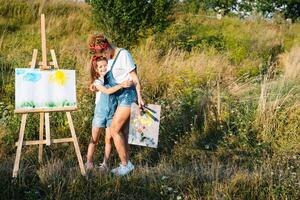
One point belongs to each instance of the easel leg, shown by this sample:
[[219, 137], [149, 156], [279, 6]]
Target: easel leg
[[20, 144], [77, 150], [47, 126], [41, 137]]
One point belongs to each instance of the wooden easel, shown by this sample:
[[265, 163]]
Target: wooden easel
[[44, 113]]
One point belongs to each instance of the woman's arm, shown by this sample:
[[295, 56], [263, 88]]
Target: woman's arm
[[136, 81]]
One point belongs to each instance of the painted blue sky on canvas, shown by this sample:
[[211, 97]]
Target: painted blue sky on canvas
[[32, 77], [20, 71]]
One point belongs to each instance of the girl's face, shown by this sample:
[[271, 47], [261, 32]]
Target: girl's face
[[101, 67]]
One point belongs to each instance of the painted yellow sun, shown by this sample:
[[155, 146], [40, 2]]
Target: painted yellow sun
[[59, 77]]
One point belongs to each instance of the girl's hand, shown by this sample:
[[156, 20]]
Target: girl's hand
[[126, 84], [93, 88], [141, 102]]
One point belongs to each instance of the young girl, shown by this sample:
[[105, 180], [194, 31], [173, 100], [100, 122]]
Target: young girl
[[104, 110]]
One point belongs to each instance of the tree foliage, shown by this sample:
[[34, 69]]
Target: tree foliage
[[288, 8], [126, 21]]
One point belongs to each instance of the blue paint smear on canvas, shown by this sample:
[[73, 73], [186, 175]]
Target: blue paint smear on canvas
[[33, 77], [20, 71]]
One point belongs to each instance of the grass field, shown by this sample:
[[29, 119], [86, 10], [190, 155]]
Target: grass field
[[230, 96]]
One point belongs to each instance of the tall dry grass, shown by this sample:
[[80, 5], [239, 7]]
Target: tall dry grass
[[291, 63], [177, 71], [282, 101]]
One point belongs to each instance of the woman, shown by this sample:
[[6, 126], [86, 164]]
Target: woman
[[121, 67]]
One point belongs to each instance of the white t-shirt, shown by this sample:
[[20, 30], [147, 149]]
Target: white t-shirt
[[123, 66]]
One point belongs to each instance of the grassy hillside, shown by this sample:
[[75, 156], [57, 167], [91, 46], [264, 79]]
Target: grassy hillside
[[230, 95]]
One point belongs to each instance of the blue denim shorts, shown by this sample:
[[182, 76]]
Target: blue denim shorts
[[126, 97], [104, 111]]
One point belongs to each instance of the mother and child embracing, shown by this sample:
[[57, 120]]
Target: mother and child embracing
[[116, 84]]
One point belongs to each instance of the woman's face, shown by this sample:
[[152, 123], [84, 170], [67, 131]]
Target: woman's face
[[108, 53], [101, 67]]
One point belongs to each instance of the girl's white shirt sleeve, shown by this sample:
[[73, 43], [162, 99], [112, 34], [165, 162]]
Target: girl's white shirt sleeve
[[98, 82]]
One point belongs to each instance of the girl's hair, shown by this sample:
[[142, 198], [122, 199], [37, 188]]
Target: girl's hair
[[94, 74], [98, 44]]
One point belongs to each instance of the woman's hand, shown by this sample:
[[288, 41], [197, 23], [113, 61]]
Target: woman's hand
[[126, 84], [140, 102]]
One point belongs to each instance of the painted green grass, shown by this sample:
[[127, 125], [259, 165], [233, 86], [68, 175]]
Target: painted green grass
[[51, 104]]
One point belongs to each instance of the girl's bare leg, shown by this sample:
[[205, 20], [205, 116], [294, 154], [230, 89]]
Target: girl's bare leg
[[94, 141]]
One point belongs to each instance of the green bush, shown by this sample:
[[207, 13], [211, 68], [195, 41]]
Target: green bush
[[125, 22]]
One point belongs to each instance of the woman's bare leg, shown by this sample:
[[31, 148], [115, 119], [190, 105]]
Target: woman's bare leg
[[125, 131], [120, 117], [94, 141]]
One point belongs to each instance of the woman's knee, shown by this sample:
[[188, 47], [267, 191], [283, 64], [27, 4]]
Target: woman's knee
[[115, 132], [115, 127]]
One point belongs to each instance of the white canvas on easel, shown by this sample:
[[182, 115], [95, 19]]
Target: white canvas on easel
[[42, 89]]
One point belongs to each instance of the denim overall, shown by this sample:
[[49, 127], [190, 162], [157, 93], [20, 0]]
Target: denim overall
[[125, 96], [104, 110]]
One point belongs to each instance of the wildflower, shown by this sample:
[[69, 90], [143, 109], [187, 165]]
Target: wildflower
[[179, 197]]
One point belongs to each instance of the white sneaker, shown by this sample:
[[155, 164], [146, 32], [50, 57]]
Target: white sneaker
[[89, 165], [123, 170], [130, 165], [103, 167]]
